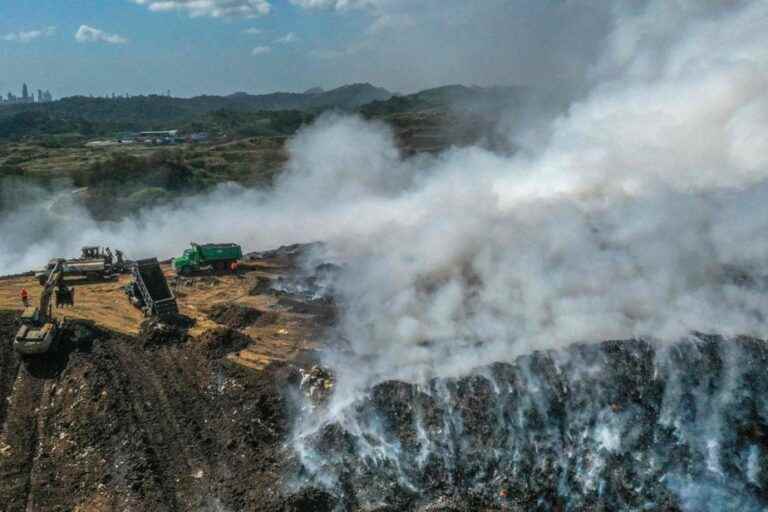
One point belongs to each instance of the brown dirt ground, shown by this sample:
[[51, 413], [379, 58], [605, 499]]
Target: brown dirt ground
[[111, 422], [286, 338], [108, 425]]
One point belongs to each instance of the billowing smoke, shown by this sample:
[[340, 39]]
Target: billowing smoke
[[628, 221], [642, 216], [335, 172]]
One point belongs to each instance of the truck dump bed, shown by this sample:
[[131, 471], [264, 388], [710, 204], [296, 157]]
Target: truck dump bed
[[154, 279], [153, 286], [212, 252]]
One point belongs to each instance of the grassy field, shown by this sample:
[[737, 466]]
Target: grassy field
[[120, 179], [242, 157]]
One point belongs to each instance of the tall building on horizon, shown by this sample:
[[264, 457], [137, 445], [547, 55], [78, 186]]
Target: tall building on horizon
[[43, 96]]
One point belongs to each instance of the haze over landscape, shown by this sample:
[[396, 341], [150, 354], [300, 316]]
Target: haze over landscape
[[482, 193], [220, 47]]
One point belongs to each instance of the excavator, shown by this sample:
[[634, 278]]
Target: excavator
[[39, 331]]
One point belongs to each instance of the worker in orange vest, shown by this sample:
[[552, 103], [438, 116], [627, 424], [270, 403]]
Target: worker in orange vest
[[233, 267], [25, 297]]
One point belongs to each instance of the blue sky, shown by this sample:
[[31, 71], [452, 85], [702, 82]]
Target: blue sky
[[222, 46]]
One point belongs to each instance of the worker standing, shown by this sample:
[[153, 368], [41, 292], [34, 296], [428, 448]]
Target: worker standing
[[233, 267], [25, 297]]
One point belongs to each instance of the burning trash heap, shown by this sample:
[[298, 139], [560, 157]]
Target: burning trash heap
[[624, 425]]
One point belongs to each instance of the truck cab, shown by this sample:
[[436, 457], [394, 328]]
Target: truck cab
[[185, 263]]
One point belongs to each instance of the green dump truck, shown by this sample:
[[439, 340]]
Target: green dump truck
[[215, 256]]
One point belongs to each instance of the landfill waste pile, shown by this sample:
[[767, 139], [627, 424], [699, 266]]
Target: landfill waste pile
[[622, 425], [106, 424], [160, 332], [316, 285], [288, 254], [237, 316], [165, 421], [304, 291]]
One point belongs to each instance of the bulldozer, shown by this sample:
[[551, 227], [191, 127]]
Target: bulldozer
[[95, 264], [39, 332]]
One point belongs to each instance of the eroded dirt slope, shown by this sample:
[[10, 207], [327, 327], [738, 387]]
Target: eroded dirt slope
[[110, 424]]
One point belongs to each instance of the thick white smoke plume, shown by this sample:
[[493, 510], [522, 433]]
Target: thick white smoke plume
[[632, 219]]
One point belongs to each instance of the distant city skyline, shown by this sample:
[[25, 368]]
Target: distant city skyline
[[43, 96]]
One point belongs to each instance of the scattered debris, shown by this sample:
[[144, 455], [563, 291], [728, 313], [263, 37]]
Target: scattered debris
[[156, 332], [238, 316], [179, 283], [311, 500], [141, 430], [317, 384], [285, 252], [261, 286], [217, 343]]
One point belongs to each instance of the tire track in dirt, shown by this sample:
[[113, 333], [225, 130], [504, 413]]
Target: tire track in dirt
[[170, 432], [195, 385], [150, 476], [114, 423], [19, 440], [40, 423], [25, 386], [9, 373]]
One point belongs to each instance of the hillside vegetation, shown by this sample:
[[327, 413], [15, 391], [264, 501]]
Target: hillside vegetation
[[85, 116], [44, 145]]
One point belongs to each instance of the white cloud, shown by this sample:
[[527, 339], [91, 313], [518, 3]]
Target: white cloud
[[211, 8], [288, 38], [335, 4], [397, 21], [261, 50], [252, 31], [29, 36], [86, 34], [332, 54]]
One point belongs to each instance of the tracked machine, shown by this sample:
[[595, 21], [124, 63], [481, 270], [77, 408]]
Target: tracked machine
[[149, 290], [94, 264], [39, 332]]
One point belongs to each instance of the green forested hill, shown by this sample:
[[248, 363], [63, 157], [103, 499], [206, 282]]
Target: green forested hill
[[99, 116], [43, 145]]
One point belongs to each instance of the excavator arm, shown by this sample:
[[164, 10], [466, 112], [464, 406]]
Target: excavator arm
[[54, 281], [39, 330]]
